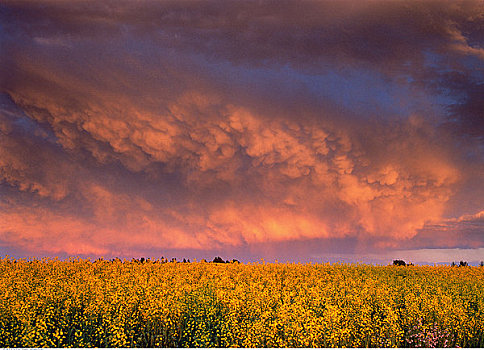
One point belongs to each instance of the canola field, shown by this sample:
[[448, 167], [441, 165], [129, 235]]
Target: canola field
[[79, 303]]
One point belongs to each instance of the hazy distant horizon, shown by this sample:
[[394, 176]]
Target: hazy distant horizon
[[410, 257]]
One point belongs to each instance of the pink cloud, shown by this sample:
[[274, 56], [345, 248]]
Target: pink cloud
[[172, 126]]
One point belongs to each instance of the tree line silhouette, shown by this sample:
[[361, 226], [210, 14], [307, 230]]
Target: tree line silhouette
[[163, 260], [219, 260], [453, 264]]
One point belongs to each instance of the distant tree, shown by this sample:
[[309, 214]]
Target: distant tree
[[235, 261], [184, 260], [218, 260], [453, 264], [481, 264], [463, 263], [399, 263], [173, 260]]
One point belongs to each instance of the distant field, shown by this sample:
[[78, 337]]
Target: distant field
[[127, 304]]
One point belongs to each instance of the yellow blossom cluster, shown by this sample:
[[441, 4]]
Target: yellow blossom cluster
[[78, 303]]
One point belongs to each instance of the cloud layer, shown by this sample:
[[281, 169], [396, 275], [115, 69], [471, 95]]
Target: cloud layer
[[135, 128]]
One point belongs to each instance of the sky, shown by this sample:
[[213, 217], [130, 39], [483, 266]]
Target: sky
[[292, 130]]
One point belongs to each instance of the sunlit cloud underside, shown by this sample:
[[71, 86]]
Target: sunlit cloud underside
[[302, 131]]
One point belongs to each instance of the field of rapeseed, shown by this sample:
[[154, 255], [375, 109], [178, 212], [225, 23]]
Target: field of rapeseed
[[79, 303]]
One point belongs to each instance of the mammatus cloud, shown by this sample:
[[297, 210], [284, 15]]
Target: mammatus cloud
[[180, 126]]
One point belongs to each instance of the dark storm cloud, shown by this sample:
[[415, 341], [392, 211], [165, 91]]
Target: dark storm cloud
[[190, 125], [401, 39], [464, 232]]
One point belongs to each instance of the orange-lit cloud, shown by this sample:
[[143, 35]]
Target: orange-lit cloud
[[135, 127]]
